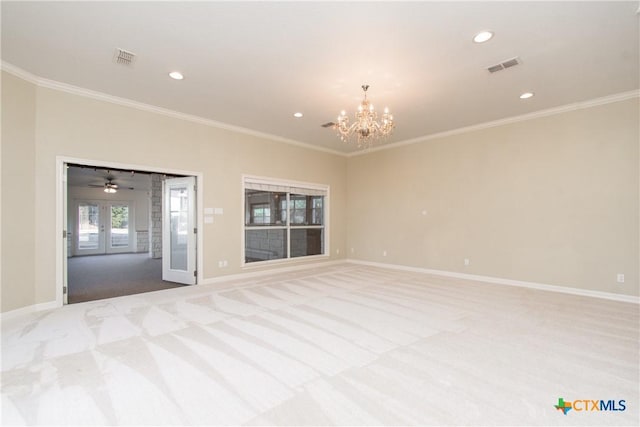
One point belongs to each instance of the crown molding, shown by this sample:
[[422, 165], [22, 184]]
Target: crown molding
[[100, 96], [509, 120], [63, 87]]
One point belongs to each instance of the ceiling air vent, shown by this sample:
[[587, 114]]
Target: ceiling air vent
[[124, 57], [328, 125], [504, 65]]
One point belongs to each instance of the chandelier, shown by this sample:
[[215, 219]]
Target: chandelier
[[366, 127]]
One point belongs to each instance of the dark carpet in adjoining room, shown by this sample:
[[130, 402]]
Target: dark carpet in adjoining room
[[106, 276]]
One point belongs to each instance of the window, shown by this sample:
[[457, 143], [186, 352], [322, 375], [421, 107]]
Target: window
[[260, 213], [283, 220]]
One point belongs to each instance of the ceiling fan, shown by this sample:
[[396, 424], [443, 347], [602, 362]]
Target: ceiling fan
[[109, 186]]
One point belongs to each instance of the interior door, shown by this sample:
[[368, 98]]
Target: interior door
[[90, 236], [179, 230]]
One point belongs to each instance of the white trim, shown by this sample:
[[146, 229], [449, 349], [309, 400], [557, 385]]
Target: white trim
[[28, 310], [283, 182], [285, 261], [100, 96], [306, 266], [267, 272], [63, 87], [501, 281], [506, 121], [60, 162], [214, 280]]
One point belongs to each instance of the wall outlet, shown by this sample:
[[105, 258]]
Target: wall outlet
[[352, 250], [337, 251], [384, 253], [620, 278], [466, 261], [223, 264]]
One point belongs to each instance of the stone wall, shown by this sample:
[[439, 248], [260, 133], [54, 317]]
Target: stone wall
[[156, 215], [142, 241]]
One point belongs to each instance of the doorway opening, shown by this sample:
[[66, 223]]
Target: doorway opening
[[127, 230]]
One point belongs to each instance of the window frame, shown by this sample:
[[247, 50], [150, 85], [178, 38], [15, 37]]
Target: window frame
[[292, 185]]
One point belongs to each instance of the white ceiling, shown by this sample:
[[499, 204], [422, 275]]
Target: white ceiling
[[78, 176], [253, 65]]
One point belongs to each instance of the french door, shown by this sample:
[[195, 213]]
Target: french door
[[179, 230], [103, 227]]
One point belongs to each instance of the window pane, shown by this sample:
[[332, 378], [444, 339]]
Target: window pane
[[119, 226], [306, 241], [88, 226], [178, 205], [262, 245], [265, 208], [317, 213], [298, 209], [306, 210]]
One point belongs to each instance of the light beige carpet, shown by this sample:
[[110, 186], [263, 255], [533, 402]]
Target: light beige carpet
[[342, 345]]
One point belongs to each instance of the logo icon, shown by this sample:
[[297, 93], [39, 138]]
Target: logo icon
[[563, 406]]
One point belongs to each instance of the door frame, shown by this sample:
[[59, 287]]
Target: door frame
[[61, 205]]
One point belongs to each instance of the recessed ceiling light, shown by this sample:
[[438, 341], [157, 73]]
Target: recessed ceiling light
[[526, 95], [297, 115], [176, 75], [483, 36]]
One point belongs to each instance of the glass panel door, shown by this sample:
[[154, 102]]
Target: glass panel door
[[119, 226], [120, 236], [179, 233], [179, 210], [103, 227], [90, 232]]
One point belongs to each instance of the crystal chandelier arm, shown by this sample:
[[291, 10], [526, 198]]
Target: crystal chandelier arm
[[366, 125]]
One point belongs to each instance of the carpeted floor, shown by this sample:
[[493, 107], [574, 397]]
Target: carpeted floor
[[331, 345], [106, 276]]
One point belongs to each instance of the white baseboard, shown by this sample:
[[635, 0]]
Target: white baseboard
[[307, 266], [54, 304], [275, 270], [29, 309], [508, 282]]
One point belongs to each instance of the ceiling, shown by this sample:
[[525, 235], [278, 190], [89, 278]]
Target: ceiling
[[89, 176], [252, 65]]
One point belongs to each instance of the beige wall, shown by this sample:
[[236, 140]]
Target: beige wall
[[18, 192], [79, 127], [552, 200]]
